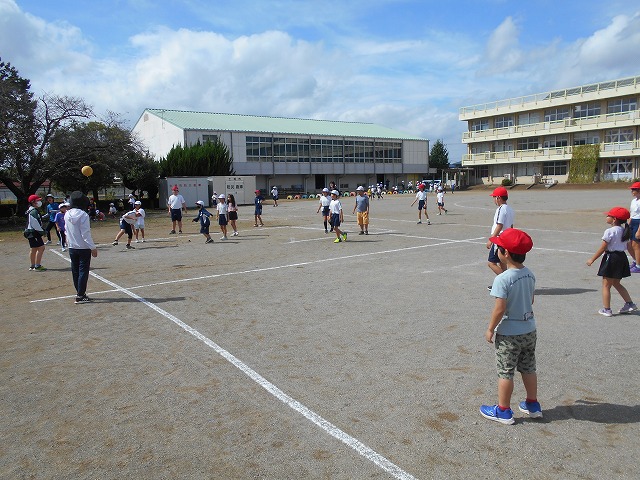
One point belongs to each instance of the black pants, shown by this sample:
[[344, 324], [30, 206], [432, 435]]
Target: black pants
[[48, 228], [80, 263]]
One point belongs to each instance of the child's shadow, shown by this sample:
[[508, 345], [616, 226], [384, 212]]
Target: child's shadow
[[594, 412]]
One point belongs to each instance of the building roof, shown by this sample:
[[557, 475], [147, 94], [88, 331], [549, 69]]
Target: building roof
[[258, 124]]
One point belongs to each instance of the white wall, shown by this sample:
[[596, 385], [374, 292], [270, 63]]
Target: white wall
[[158, 135]]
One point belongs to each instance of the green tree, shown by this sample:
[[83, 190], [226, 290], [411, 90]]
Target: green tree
[[439, 156], [212, 158], [107, 147], [140, 173], [26, 129]]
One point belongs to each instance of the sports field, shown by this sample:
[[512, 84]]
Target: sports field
[[279, 354]]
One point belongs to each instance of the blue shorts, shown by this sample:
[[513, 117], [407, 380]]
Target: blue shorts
[[222, 219], [633, 228], [176, 214], [335, 219], [421, 204], [493, 254], [127, 228], [258, 210], [325, 211]]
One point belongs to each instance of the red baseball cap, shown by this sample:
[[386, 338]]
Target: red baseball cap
[[500, 192], [635, 186], [33, 198], [514, 241], [619, 213], [421, 186], [174, 188], [257, 191]]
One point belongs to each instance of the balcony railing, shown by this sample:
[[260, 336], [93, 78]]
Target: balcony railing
[[596, 122], [548, 154], [567, 93]]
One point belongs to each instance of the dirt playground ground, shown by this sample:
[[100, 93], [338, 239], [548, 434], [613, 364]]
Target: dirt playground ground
[[281, 355]]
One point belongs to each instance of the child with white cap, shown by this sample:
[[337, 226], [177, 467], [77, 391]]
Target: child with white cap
[[139, 225], [223, 211], [362, 209], [203, 216], [325, 200]]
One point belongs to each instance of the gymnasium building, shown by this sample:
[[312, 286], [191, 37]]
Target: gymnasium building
[[530, 139], [293, 154]]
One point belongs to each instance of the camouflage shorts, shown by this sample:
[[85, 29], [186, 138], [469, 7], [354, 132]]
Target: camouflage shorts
[[515, 352]]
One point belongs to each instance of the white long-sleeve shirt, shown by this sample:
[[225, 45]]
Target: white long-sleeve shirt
[[78, 225]]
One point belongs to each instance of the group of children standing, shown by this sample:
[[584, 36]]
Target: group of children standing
[[226, 213]]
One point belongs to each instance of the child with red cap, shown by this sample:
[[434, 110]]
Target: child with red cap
[[614, 266], [514, 326], [502, 220], [634, 241]]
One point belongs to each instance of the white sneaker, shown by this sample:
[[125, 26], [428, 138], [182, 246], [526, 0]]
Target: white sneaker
[[137, 241], [142, 240], [223, 238], [47, 242], [235, 234]]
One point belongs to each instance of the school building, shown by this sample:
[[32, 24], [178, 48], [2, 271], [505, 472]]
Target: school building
[[530, 139], [293, 154]]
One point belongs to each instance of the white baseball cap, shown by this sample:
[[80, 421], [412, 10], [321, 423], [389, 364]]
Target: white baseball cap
[[360, 189], [335, 192], [200, 202], [325, 189], [137, 202], [221, 195]]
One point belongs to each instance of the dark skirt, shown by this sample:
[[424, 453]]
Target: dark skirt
[[614, 265]]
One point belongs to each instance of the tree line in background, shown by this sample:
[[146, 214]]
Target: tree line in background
[[52, 137]]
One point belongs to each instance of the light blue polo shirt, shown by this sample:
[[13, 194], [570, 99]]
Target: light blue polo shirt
[[517, 287]]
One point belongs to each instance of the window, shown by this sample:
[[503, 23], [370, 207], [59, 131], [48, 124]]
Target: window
[[482, 171], [529, 118], [586, 110], [586, 138], [618, 169], [530, 143], [482, 124], [555, 114], [618, 135], [285, 149], [480, 148], [555, 141], [502, 146], [503, 122], [554, 168], [259, 149], [620, 105], [210, 138]]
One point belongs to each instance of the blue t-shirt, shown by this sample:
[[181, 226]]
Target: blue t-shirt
[[257, 201], [52, 209], [362, 203], [517, 287]]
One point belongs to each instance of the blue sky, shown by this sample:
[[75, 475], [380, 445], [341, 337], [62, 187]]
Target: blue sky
[[405, 64]]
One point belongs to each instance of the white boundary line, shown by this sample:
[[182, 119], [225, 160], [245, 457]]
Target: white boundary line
[[265, 269], [324, 424]]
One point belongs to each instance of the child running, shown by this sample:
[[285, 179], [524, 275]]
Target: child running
[[222, 215], [203, 216], [233, 213], [421, 198], [440, 201], [139, 225], [335, 207], [324, 202], [614, 266], [514, 326]]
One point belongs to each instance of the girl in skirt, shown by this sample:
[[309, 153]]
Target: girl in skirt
[[614, 266]]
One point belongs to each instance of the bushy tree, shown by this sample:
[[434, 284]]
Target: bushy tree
[[140, 173], [104, 146], [26, 129], [203, 160], [439, 156]]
